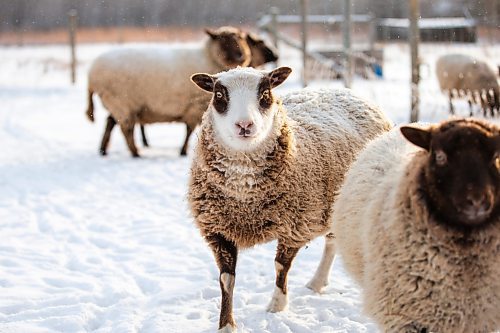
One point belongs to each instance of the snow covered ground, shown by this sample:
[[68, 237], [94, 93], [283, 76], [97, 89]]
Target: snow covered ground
[[92, 244]]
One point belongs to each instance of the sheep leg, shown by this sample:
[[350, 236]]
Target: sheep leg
[[226, 254], [110, 123], [143, 135], [128, 132], [450, 95], [320, 278], [189, 130], [470, 107], [283, 261]]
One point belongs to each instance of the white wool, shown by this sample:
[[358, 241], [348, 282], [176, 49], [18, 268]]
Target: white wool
[[129, 79], [399, 259]]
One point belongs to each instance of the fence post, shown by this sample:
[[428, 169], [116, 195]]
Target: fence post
[[72, 17], [303, 11], [414, 38], [274, 11], [373, 33], [347, 27]]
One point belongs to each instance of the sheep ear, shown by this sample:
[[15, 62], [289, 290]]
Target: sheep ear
[[211, 33], [418, 136], [204, 81], [277, 76], [251, 38]]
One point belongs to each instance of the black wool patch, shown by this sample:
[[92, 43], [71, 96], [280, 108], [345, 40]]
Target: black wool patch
[[221, 98]]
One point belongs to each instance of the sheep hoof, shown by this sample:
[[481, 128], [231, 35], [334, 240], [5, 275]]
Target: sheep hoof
[[103, 152], [136, 155], [183, 153], [227, 329], [316, 285], [279, 302]]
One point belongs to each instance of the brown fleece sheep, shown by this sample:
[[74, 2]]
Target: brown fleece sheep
[[152, 85], [266, 169], [419, 228], [471, 77]]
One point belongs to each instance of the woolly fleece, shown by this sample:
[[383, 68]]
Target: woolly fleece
[[414, 271], [151, 86], [461, 72], [285, 188]]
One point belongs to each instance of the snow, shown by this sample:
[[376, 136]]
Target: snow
[[92, 244]]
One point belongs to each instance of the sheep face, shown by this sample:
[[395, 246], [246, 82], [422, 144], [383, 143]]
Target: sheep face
[[229, 47], [462, 176], [262, 53], [243, 106]]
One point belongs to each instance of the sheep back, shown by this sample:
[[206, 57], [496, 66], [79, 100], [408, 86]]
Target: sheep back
[[412, 269], [461, 72], [152, 84], [286, 194]]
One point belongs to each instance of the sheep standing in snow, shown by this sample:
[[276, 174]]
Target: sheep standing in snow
[[152, 85], [419, 229], [471, 77], [266, 169], [260, 53]]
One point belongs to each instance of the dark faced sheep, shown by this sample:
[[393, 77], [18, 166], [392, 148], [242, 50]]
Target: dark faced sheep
[[418, 227], [264, 169], [152, 85]]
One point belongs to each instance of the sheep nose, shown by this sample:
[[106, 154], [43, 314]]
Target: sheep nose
[[244, 124], [478, 201]]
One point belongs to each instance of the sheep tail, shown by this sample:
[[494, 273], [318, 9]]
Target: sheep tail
[[90, 109]]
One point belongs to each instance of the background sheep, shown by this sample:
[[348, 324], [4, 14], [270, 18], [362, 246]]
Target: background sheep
[[419, 229], [261, 53], [152, 85], [265, 170], [466, 76]]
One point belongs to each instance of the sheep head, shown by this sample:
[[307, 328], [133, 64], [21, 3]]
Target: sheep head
[[228, 47], [462, 172], [243, 106], [262, 52]]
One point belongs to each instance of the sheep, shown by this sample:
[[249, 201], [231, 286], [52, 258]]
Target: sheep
[[417, 223], [472, 77], [152, 85], [263, 169], [260, 53]]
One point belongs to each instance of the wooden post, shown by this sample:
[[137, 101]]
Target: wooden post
[[303, 12], [72, 17], [274, 11], [347, 27], [414, 38], [373, 33]]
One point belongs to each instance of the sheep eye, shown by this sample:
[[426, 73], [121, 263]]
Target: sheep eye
[[496, 162], [218, 95], [441, 158], [265, 94]]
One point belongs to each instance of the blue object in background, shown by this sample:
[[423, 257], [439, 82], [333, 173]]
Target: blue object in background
[[377, 69]]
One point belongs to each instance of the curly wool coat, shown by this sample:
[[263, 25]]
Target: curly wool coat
[[415, 272], [285, 189]]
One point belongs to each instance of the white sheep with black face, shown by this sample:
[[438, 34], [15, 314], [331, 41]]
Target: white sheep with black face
[[152, 85], [265, 169], [417, 222]]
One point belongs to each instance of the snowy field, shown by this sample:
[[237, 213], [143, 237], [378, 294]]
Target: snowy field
[[92, 244]]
